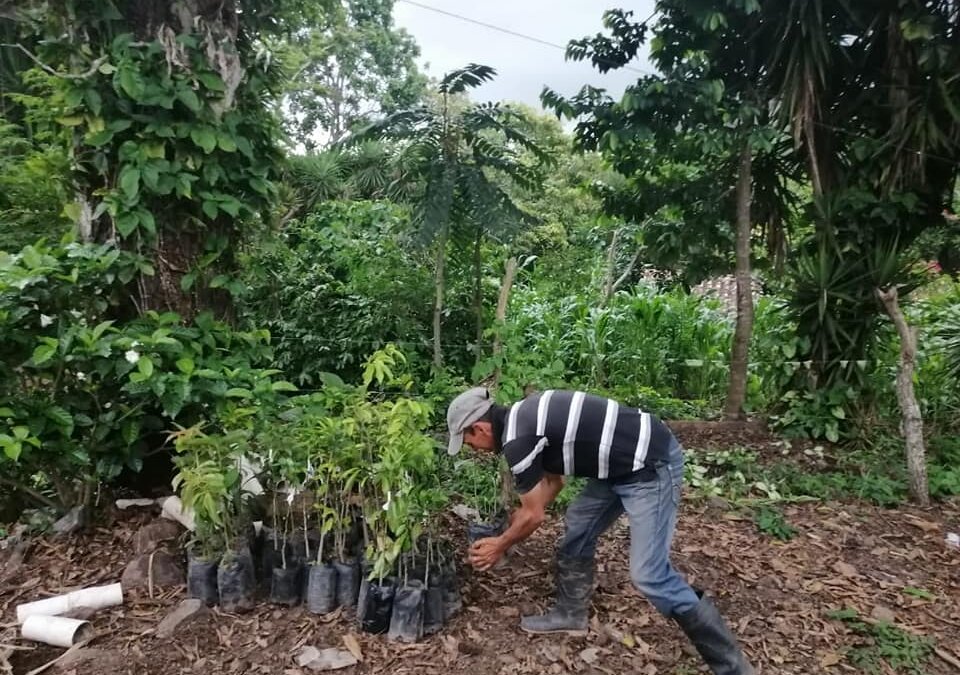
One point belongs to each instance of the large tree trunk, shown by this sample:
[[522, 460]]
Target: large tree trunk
[[911, 419], [438, 301], [739, 357]]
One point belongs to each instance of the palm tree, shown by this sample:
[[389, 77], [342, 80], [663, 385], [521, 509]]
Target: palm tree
[[454, 151]]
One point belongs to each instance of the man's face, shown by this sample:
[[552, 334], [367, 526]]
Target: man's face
[[479, 436]]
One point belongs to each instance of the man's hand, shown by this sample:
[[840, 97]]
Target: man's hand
[[485, 553]]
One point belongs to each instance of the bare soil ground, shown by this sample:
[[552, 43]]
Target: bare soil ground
[[776, 595]]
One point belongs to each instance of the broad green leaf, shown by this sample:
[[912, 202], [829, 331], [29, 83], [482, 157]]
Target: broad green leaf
[[205, 138], [72, 211], [127, 223], [211, 81], [107, 69], [99, 138], [185, 365], [12, 449], [94, 101], [239, 392], [156, 150], [145, 366], [130, 181], [20, 433], [916, 30], [210, 208], [283, 385], [231, 206], [189, 98], [260, 185], [101, 328], [131, 83], [6, 412], [245, 147], [60, 416], [226, 142], [187, 281], [131, 431], [70, 120], [147, 220], [45, 351]]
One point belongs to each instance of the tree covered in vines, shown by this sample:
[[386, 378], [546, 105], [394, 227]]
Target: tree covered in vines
[[172, 139]]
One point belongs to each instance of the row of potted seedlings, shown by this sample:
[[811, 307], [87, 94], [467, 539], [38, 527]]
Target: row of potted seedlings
[[350, 492]]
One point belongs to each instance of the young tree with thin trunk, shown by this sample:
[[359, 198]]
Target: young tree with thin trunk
[[455, 148], [739, 358], [911, 423], [687, 141]]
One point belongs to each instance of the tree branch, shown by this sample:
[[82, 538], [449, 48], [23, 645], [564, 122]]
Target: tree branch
[[30, 492], [94, 67], [626, 273]]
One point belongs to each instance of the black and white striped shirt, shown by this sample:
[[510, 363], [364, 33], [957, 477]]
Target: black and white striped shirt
[[573, 433]]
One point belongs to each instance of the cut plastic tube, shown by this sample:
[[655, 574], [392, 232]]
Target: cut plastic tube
[[94, 597], [173, 509], [58, 631]]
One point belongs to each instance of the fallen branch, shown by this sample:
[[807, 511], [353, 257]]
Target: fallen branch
[[75, 648], [30, 492], [14, 562], [953, 661], [94, 67]]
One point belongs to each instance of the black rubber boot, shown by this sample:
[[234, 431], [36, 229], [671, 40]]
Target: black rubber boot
[[710, 635], [570, 613]]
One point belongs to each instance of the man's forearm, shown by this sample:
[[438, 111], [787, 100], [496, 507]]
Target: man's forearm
[[522, 525]]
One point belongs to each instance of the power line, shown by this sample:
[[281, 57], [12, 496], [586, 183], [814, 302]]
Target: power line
[[647, 73], [524, 36]]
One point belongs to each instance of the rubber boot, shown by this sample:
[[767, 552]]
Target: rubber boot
[[574, 582], [710, 635]]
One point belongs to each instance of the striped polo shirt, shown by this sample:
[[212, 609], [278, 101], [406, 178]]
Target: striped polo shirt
[[573, 433]]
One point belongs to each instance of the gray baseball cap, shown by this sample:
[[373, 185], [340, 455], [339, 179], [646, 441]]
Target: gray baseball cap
[[464, 410]]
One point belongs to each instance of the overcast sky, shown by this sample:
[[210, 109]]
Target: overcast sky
[[523, 66]]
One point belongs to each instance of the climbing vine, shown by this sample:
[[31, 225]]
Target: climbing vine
[[174, 142]]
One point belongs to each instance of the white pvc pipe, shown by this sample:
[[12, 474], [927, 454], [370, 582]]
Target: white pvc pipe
[[94, 597], [124, 504], [173, 509], [58, 631]]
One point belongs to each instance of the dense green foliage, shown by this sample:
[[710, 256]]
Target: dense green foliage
[[84, 395], [352, 66], [210, 265], [338, 285]]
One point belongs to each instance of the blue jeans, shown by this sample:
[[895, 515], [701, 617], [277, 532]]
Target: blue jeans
[[651, 507]]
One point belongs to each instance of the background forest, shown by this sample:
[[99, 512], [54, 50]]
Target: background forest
[[226, 217]]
